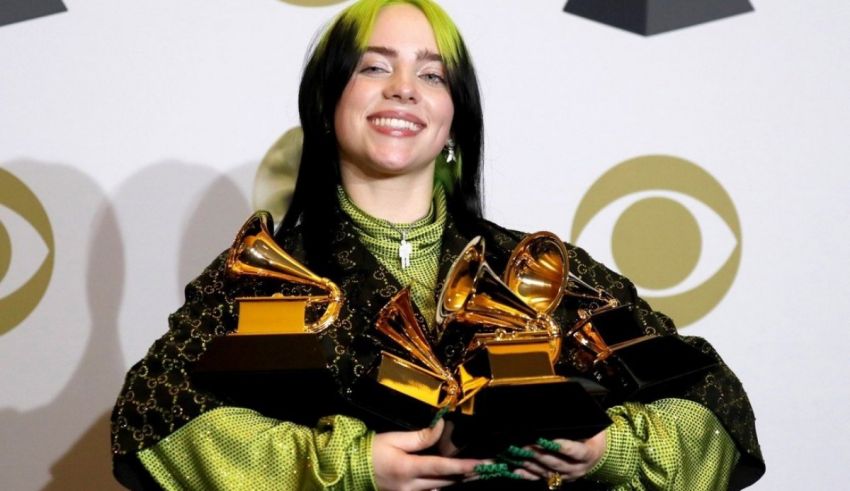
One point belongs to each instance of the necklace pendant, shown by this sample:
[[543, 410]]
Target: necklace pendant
[[404, 250]]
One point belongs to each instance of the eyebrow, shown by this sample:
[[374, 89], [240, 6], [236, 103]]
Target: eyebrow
[[421, 55]]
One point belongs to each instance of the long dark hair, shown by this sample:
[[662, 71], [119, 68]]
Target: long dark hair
[[326, 75]]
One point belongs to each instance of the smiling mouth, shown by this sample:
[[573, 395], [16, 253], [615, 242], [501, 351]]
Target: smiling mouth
[[396, 124]]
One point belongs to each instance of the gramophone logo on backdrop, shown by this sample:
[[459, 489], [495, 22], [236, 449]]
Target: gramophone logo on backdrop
[[20, 10], [673, 230], [26, 251], [650, 17]]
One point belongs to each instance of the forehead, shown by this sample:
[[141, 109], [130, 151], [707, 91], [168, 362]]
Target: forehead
[[403, 26]]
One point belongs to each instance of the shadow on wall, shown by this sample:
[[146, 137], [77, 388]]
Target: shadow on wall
[[70, 435], [175, 217], [87, 463], [71, 430], [213, 222]]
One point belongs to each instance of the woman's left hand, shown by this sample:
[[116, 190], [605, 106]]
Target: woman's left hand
[[570, 462]]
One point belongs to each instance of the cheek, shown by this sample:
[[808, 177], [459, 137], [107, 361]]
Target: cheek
[[350, 102], [447, 111]]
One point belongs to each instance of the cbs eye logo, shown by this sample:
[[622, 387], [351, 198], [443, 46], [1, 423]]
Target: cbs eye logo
[[26, 251], [673, 231]]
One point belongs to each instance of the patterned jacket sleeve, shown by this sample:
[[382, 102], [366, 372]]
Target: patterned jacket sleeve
[[719, 391], [187, 437]]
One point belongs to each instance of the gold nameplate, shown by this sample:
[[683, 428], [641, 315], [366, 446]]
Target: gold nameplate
[[410, 379], [518, 358], [271, 315]]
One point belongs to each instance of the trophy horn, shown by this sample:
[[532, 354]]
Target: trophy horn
[[421, 374], [513, 334], [537, 271], [255, 253], [474, 294]]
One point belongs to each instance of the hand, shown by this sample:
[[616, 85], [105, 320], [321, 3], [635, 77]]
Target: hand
[[570, 462], [445, 446], [397, 467]]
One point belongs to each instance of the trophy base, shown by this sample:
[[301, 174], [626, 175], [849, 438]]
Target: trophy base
[[281, 376], [655, 368], [649, 17], [263, 352], [519, 414]]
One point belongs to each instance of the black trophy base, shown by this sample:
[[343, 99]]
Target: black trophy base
[[279, 375], [657, 367], [520, 414], [648, 17]]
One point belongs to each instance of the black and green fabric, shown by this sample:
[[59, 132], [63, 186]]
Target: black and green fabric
[[160, 398]]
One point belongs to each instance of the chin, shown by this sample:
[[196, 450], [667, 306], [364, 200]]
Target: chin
[[399, 166]]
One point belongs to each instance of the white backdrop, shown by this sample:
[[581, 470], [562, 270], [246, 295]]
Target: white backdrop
[[140, 125]]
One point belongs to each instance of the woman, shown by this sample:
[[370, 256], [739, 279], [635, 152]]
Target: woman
[[392, 125]]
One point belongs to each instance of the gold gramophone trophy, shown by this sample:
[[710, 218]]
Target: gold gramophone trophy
[[611, 347], [521, 340], [503, 389], [273, 344], [413, 384], [255, 253]]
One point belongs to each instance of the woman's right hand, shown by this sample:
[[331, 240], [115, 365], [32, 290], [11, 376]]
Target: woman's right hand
[[398, 467]]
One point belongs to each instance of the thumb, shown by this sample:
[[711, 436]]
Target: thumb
[[414, 441]]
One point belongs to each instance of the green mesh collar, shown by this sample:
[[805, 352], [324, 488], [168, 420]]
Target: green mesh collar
[[383, 239]]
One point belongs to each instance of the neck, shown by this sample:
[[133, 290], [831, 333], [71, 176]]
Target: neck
[[399, 199]]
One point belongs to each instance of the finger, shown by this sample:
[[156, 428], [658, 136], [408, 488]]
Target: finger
[[434, 466], [414, 441], [527, 475], [445, 445], [558, 464], [536, 468], [427, 483], [578, 451]]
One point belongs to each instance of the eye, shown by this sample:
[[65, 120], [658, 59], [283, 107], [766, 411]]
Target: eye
[[433, 78], [373, 69], [681, 247], [26, 252]]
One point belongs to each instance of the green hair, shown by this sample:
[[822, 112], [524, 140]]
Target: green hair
[[361, 18], [326, 74]]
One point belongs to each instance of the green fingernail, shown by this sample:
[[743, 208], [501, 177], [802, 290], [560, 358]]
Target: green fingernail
[[520, 452], [548, 444], [437, 417], [490, 468]]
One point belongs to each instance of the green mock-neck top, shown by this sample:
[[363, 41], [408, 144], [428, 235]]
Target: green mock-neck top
[[383, 240]]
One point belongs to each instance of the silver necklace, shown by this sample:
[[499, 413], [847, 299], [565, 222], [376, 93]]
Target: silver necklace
[[405, 248]]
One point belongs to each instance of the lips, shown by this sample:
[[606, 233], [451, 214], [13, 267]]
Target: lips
[[396, 123]]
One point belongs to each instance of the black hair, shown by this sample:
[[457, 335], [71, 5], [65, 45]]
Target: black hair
[[327, 72]]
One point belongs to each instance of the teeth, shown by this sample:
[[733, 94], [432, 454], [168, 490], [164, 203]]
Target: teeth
[[395, 123]]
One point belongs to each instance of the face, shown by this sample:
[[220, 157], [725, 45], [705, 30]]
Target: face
[[396, 112]]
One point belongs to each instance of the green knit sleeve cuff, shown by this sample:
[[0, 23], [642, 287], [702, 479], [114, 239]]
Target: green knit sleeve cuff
[[619, 462], [237, 448], [360, 464], [672, 444]]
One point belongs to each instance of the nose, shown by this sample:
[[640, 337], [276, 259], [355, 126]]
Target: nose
[[401, 87]]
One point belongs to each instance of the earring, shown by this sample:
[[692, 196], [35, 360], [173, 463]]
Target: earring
[[450, 151]]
